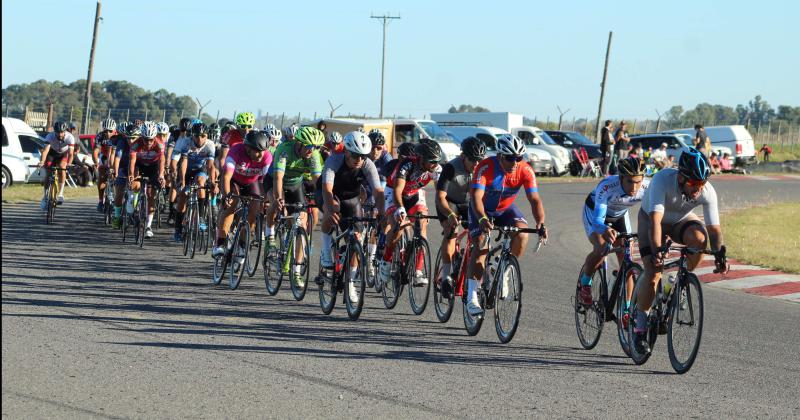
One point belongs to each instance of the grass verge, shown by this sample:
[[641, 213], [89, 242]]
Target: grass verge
[[25, 193], [766, 236]]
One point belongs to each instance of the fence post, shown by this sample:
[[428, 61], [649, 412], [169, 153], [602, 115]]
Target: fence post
[[145, 114], [164, 115], [283, 116], [780, 139]]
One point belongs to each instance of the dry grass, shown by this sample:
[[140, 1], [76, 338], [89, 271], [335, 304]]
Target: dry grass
[[766, 236], [22, 193]]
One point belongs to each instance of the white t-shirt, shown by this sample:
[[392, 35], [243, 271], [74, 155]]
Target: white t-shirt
[[664, 196], [57, 145]]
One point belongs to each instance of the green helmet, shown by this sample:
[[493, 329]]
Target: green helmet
[[309, 136], [246, 118]]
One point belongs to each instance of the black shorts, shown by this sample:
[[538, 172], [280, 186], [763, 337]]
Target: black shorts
[[149, 171], [252, 189], [54, 158], [462, 210], [347, 208], [292, 194]]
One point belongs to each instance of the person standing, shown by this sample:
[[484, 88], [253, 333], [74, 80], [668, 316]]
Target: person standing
[[606, 144], [622, 141], [766, 150], [701, 140]]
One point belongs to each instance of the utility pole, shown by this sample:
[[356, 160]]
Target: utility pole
[[658, 122], [561, 115], [603, 87], [386, 19], [87, 96]]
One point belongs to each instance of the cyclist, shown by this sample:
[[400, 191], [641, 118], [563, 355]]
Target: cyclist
[[338, 192], [245, 165], [495, 184], [163, 131], [293, 159], [452, 201], [58, 150], [405, 196], [184, 132], [244, 122], [147, 160], [333, 145], [103, 155], [667, 210], [214, 133], [274, 135], [196, 163], [605, 214], [290, 132], [127, 134]]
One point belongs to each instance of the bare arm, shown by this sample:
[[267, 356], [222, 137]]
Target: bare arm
[[537, 208], [399, 186], [655, 230], [715, 236]]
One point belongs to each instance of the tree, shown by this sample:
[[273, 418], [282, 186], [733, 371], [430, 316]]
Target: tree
[[467, 108]]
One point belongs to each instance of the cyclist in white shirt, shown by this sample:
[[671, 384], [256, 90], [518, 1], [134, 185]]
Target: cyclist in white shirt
[[58, 151]]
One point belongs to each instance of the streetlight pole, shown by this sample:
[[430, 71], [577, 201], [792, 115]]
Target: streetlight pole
[[603, 88], [383, 55], [88, 95]]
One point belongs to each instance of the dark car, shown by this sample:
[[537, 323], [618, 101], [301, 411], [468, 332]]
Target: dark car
[[575, 140]]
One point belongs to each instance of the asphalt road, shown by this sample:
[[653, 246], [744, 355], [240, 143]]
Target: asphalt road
[[95, 328]]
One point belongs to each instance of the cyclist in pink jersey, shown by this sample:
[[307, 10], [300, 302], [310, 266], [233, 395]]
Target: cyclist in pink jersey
[[147, 160]]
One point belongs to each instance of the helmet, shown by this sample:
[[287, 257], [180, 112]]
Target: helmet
[[357, 142], [257, 140], [273, 132], [429, 151], [291, 132], [185, 124], [245, 118], [631, 166], [199, 128], [196, 121], [508, 144], [229, 125], [406, 150], [694, 165], [149, 130], [162, 127], [309, 136], [108, 125], [59, 126], [377, 137], [133, 130], [473, 148], [335, 138], [122, 127], [214, 131], [72, 125]]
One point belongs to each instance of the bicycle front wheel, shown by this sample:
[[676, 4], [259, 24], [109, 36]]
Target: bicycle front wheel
[[194, 229], [50, 209], [633, 271], [299, 266], [418, 273], [589, 319], [354, 291], [142, 227], [273, 263], [254, 254], [239, 254], [508, 299], [442, 305], [685, 323]]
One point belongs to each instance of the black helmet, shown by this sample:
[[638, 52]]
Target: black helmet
[[198, 129], [473, 148], [59, 126], [631, 166], [185, 124], [257, 140], [173, 128], [377, 137], [694, 165], [406, 150], [429, 151]]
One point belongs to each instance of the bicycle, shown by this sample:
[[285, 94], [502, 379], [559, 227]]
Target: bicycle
[[443, 301], [235, 257], [108, 197], [674, 307], [191, 222], [369, 233], [404, 268], [501, 286], [51, 193], [140, 208], [607, 306], [161, 198], [281, 260], [206, 238], [345, 256]]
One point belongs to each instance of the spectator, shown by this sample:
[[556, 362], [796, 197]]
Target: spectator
[[766, 150], [321, 126], [606, 145], [725, 163], [649, 153], [701, 140], [670, 161], [715, 166], [638, 151], [660, 155]]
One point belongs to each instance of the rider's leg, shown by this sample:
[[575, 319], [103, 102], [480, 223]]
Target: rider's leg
[[692, 233], [151, 205], [180, 210], [202, 200], [224, 222], [101, 185], [649, 280], [62, 177]]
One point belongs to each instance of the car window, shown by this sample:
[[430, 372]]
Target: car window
[[558, 137], [404, 133], [526, 137], [29, 144], [5, 137]]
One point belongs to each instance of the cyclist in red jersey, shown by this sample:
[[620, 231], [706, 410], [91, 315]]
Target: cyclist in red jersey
[[146, 159], [103, 155], [334, 145], [404, 196], [245, 121], [495, 185]]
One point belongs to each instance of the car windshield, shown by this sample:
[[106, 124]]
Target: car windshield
[[684, 139], [436, 132], [546, 137], [578, 138]]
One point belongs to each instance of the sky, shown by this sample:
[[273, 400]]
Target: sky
[[516, 56]]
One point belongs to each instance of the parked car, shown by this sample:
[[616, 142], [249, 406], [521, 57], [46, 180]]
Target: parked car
[[676, 143], [575, 140], [15, 168], [537, 138], [540, 160], [732, 137]]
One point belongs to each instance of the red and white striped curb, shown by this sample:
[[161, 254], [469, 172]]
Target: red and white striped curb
[[780, 177]]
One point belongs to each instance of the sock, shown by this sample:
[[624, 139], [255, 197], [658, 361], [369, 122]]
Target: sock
[[420, 261], [472, 289], [298, 269], [371, 250], [641, 321], [214, 201], [117, 211], [387, 253], [586, 280], [220, 241], [446, 267], [150, 220], [627, 305]]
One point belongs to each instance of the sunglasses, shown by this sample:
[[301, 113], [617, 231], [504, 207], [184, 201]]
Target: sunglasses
[[694, 183], [246, 126], [312, 147], [512, 158], [358, 156]]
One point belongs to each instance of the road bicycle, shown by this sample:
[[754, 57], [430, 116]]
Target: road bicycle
[[139, 216], [291, 254], [234, 259], [501, 288], [411, 259], [191, 222], [607, 306], [445, 290], [108, 197], [52, 191]]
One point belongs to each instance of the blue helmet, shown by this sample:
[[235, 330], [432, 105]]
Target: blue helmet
[[694, 165], [196, 121]]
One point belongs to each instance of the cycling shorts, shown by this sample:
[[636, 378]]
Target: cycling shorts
[[54, 158], [508, 217], [292, 194], [462, 211], [149, 171], [252, 189], [621, 224]]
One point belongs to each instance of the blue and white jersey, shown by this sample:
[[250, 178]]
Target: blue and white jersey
[[609, 201], [196, 156]]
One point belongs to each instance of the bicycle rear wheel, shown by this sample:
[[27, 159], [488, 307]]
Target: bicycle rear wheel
[[419, 257], [442, 305], [239, 254], [589, 319], [254, 254], [508, 299], [142, 226], [685, 323], [359, 283], [273, 263], [633, 270]]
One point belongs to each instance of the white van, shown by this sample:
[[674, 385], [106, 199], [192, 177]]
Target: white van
[[536, 137], [540, 160], [15, 160], [734, 137]]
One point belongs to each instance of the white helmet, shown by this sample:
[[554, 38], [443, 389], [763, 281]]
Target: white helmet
[[162, 127], [334, 137], [108, 124], [273, 132], [149, 130], [508, 144], [357, 142], [292, 130]]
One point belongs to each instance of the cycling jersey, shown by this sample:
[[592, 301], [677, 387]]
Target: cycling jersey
[[454, 181], [147, 154], [123, 151], [60, 146], [294, 166], [334, 148], [231, 138], [501, 188], [245, 170], [381, 164], [412, 172], [664, 196], [196, 156], [347, 182], [609, 202], [106, 143]]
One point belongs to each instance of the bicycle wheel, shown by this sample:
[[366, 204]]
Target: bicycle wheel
[[326, 279], [49, 205], [508, 299], [239, 254], [358, 283], [652, 325], [142, 217], [685, 323], [202, 235], [442, 305], [589, 319], [186, 229], [418, 259], [473, 323], [124, 215], [633, 270], [254, 254], [194, 228], [394, 286], [299, 242], [273, 263], [220, 266]]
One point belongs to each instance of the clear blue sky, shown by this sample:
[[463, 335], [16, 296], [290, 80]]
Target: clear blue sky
[[524, 57]]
